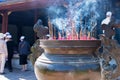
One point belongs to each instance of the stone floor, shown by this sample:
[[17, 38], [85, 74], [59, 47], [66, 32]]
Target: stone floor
[[17, 74]]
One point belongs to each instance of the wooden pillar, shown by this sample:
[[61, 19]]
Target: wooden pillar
[[4, 21]]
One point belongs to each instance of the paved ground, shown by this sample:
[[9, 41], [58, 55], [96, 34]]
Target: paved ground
[[17, 74]]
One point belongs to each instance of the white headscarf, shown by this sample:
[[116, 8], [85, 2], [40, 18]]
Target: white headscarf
[[9, 36], [107, 19], [109, 13], [22, 38]]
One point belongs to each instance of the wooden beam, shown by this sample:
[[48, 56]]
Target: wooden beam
[[27, 4]]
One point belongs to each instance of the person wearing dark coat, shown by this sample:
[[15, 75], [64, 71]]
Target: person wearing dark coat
[[24, 51], [10, 48]]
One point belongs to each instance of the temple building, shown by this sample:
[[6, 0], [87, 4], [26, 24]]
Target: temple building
[[18, 17]]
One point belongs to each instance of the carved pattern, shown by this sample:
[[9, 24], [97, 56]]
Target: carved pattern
[[36, 51], [41, 30], [111, 51]]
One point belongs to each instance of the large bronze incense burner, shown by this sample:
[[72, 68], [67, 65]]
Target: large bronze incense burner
[[68, 60], [71, 50], [70, 46]]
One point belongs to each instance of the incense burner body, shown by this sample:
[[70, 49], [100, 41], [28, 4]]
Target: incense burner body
[[68, 60]]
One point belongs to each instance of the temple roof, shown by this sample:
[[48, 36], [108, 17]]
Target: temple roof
[[18, 5]]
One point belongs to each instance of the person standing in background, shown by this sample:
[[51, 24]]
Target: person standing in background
[[24, 51], [3, 53], [107, 25], [10, 47], [5, 35]]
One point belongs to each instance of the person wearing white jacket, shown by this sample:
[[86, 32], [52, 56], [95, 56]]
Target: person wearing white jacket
[[3, 53], [107, 26]]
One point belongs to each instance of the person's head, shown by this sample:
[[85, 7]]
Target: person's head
[[9, 37], [1, 36], [7, 33], [109, 14], [22, 38]]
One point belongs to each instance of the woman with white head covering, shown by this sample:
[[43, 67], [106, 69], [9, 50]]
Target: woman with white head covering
[[24, 51], [3, 53], [108, 18], [107, 25]]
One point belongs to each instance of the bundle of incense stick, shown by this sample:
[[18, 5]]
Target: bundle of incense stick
[[74, 35], [50, 28]]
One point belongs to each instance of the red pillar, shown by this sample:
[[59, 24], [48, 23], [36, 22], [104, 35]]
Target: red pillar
[[4, 21]]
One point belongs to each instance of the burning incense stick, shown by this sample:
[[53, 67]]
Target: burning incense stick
[[50, 28]]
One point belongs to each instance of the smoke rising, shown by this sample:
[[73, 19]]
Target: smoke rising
[[83, 13]]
